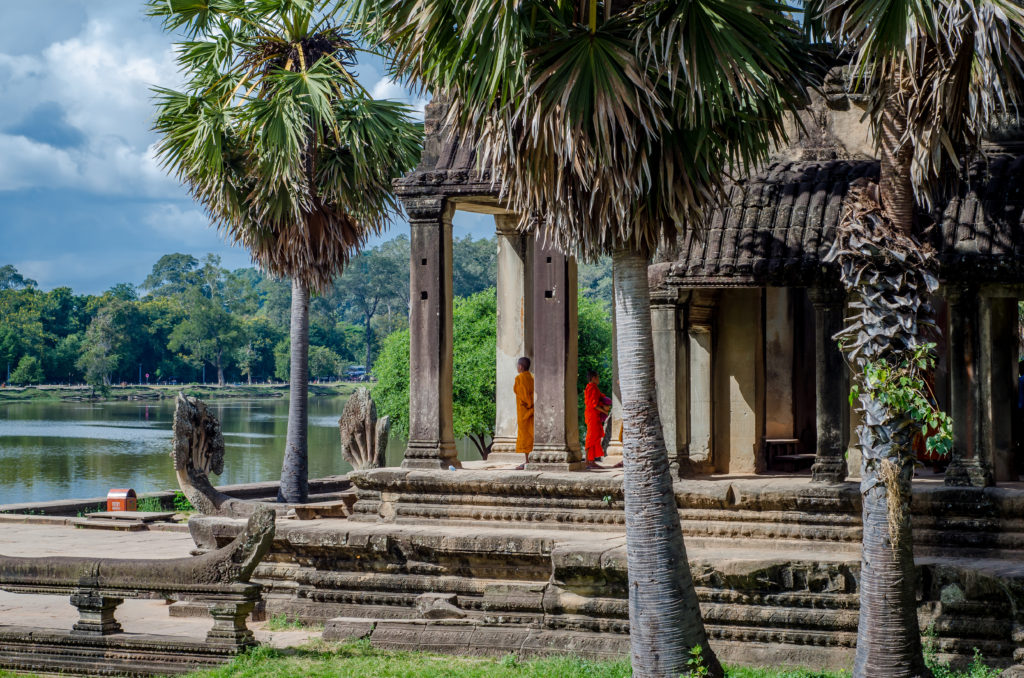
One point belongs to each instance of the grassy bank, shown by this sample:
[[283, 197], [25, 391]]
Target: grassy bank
[[153, 392], [352, 660]]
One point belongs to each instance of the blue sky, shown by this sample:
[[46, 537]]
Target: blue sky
[[83, 202]]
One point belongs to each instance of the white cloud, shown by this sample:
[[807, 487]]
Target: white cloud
[[386, 88], [170, 220], [101, 79]]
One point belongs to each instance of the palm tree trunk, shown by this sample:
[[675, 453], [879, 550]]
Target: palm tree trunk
[[294, 487], [891, 275], [895, 187], [664, 616]]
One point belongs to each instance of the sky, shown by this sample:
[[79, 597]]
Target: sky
[[83, 201]]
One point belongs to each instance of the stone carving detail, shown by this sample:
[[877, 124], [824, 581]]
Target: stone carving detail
[[199, 450], [364, 438]]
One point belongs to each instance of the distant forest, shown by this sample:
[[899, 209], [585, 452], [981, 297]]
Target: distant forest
[[192, 318]]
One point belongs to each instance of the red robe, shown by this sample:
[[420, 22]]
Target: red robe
[[592, 399]]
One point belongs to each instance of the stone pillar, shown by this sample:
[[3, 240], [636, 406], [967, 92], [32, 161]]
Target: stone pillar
[[829, 385], [699, 328], [670, 375], [431, 435], [998, 383], [968, 466], [614, 448], [514, 328], [556, 437]]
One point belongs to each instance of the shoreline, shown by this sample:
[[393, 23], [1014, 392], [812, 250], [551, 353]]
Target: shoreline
[[24, 394]]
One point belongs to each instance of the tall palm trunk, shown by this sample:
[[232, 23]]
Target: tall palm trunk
[[890, 275], [664, 616], [294, 487]]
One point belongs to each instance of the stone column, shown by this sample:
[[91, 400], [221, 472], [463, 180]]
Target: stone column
[[670, 375], [998, 380], [614, 448], [514, 329], [829, 385], [431, 435], [556, 438], [968, 466], [699, 328]]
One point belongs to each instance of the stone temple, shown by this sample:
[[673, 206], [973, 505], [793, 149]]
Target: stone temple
[[752, 393]]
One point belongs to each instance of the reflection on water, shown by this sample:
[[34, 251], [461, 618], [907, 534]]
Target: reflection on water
[[73, 450]]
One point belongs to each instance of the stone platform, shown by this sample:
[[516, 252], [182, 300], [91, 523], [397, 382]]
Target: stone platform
[[533, 562]]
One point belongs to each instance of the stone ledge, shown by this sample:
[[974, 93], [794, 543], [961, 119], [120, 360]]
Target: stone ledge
[[30, 649]]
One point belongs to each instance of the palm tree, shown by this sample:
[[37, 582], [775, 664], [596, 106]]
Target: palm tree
[[611, 124], [287, 153], [936, 74]]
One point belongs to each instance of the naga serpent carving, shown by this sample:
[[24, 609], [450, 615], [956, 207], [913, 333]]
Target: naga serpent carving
[[198, 451], [364, 438]]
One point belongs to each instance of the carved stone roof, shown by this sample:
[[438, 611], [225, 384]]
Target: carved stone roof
[[448, 163], [779, 225]]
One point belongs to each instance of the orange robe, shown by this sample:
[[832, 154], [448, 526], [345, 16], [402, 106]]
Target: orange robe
[[592, 398], [524, 412]]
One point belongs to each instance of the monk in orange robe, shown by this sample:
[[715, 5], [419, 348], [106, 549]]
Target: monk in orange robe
[[596, 406], [523, 389]]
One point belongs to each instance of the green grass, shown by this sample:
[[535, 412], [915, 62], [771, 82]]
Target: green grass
[[360, 659], [149, 504], [281, 622]]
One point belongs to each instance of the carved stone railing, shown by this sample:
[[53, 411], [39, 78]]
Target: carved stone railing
[[97, 586]]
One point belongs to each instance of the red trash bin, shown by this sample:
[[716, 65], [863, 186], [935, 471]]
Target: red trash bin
[[122, 500]]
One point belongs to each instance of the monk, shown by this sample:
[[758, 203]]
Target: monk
[[596, 406], [523, 389]]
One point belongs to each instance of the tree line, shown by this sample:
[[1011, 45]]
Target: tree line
[[192, 316]]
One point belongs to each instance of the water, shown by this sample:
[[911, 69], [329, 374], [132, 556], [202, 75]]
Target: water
[[65, 450]]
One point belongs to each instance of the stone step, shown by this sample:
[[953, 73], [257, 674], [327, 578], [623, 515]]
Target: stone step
[[144, 516], [109, 524]]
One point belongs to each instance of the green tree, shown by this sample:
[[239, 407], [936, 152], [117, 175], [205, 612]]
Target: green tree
[[324, 363], [937, 76], [10, 279], [273, 135], [617, 123], [103, 345], [29, 371], [172, 274], [594, 348], [206, 334], [372, 281], [474, 265]]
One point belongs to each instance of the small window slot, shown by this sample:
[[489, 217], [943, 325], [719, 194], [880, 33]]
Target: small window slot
[[423, 294], [423, 262], [549, 260], [549, 294]]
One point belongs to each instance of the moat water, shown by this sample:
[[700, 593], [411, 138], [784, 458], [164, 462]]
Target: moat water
[[64, 450]]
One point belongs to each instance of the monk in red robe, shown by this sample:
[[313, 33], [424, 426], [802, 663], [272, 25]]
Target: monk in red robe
[[596, 406]]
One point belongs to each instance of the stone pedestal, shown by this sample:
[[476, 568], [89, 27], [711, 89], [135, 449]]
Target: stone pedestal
[[968, 467], [699, 330], [556, 443], [431, 435], [830, 385], [514, 328], [95, 613], [229, 619], [670, 372]]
